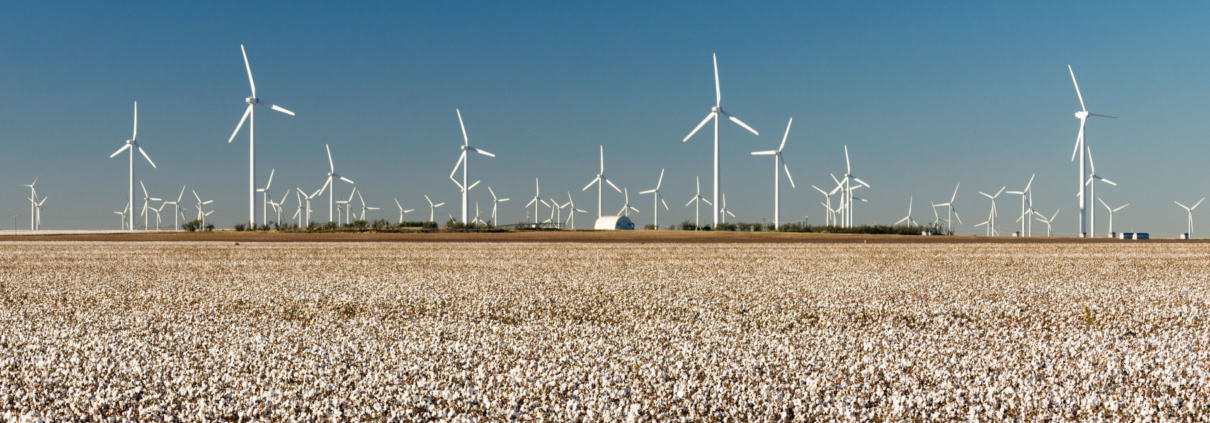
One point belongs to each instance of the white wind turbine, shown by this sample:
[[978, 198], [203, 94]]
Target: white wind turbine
[[559, 208], [992, 218], [176, 209], [1083, 116], [347, 210], [714, 114], [599, 180], [264, 193], [723, 212], [1111, 212], [251, 112], [848, 180], [297, 217], [952, 212], [464, 162], [571, 213], [38, 212], [157, 214], [778, 165], [146, 199], [908, 218], [202, 215], [132, 144], [1190, 211], [307, 198], [989, 223], [534, 202], [401, 210], [828, 216], [277, 206], [476, 221], [1048, 221], [497, 201], [1092, 189], [432, 207], [626, 208], [364, 207], [331, 193], [697, 202], [657, 199], [1024, 197], [33, 198], [121, 215]]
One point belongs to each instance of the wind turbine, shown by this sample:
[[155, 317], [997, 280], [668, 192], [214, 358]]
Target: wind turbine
[[146, 199], [571, 213], [476, 221], [332, 193], [849, 178], [464, 162], [33, 198], [402, 211], [714, 114], [1048, 221], [1024, 196], [251, 112], [347, 210], [778, 165], [828, 216], [176, 209], [657, 199], [1190, 211], [723, 210], [1092, 188], [157, 214], [201, 203], [497, 201], [38, 212], [364, 207], [278, 206], [432, 207], [265, 200], [132, 144], [992, 217], [952, 212], [908, 218], [697, 202], [626, 208], [601, 179], [535, 201], [1082, 115], [1111, 212], [121, 215]]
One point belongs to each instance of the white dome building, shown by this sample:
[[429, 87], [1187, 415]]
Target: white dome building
[[614, 223]]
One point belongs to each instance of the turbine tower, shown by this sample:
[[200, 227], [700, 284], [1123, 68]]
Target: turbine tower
[[1082, 115], [464, 162], [331, 177], [534, 202], [599, 180], [697, 202], [496, 201], [778, 164], [132, 144], [1111, 212], [250, 112], [1092, 188], [714, 114], [952, 212]]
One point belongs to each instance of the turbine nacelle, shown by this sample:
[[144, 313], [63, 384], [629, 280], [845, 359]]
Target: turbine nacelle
[[251, 100], [1083, 114]]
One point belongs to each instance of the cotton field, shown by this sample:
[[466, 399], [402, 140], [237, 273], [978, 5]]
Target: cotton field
[[604, 332]]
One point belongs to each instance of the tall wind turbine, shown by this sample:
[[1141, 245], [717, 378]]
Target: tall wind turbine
[[38, 212], [251, 112], [778, 165], [993, 229], [432, 207], [599, 180], [331, 176], [1092, 189], [723, 212], [33, 198], [146, 200], [1024, 196], [402, 211], [1111, 212], [534, 202], [1048, 221], [201, 215], [714, 114], [828, 216], [697, 202], [626, 208], [464, 162], [908, 218], [121, 214], [265, 199], [497, 201], [1082, 115], [848, 180], [1190, 211], [132, 144], [657, 199], [952, 212], [176, 209], [571, 212]]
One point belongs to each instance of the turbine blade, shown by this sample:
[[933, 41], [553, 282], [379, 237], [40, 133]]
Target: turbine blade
[[1077, 84], [1079, 141], [331, 167], [707, 201], [472, 186], [665, 204], [346, 179], [271, 172], [647, 192], [145, 156], [764, 153], [465, 140], [741, 123], [586, 187], [484, 153], [657, 183], [699, 126], [787, 135], [136, 122], [120, 150], [718, 93], [281, 109], [787, 168], [249, 67], [615, 187], [247, 112]]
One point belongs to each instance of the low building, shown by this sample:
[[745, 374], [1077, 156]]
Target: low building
[[614, 223]]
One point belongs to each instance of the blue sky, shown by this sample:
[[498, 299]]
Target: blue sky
[[924, 95]]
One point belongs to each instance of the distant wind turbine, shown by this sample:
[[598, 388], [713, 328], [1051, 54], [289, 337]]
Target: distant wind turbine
[[714, 114]]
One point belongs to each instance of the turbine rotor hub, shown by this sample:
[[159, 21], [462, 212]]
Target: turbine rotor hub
[[1081, 114], [251, 100]]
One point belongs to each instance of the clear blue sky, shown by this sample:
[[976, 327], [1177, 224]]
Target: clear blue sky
[[925, 96]]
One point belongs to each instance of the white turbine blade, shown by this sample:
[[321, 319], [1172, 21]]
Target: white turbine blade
[[1107, 181], [1077, 84], [483, 152], [861, 182], [1001, 191], [182, 194], [594, 180], [465, 139], [409, 210], [489, 189], [530, 203], [1104, 116], [426, 197], [647, 192], [199, 199], [1015, 192], [634, 210], [820, 190], [327, 183], [665, 204], [544, 203], [461, 158], [1103, 204], [900, 221], [120, 150], [207, 202], [249, 67], [1091, 165], [1119, 208], [1182, 205], [848, 167], [136, 122], [1079, 141], [707, 201], [661, 181], [1198, 203], [729, 213], [718, 93], [740, 123], [1031, 182], [787, 135], [502, 200], [615, 187], [698, 127], [787, 169], [764, 153], [331, 167], [281, 109], [438, 205], [145, 156], [956, 215], [271, 172], [472, 186], [690, 201], [346, 179], [247, 112], [955, 196], [397, 204]]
